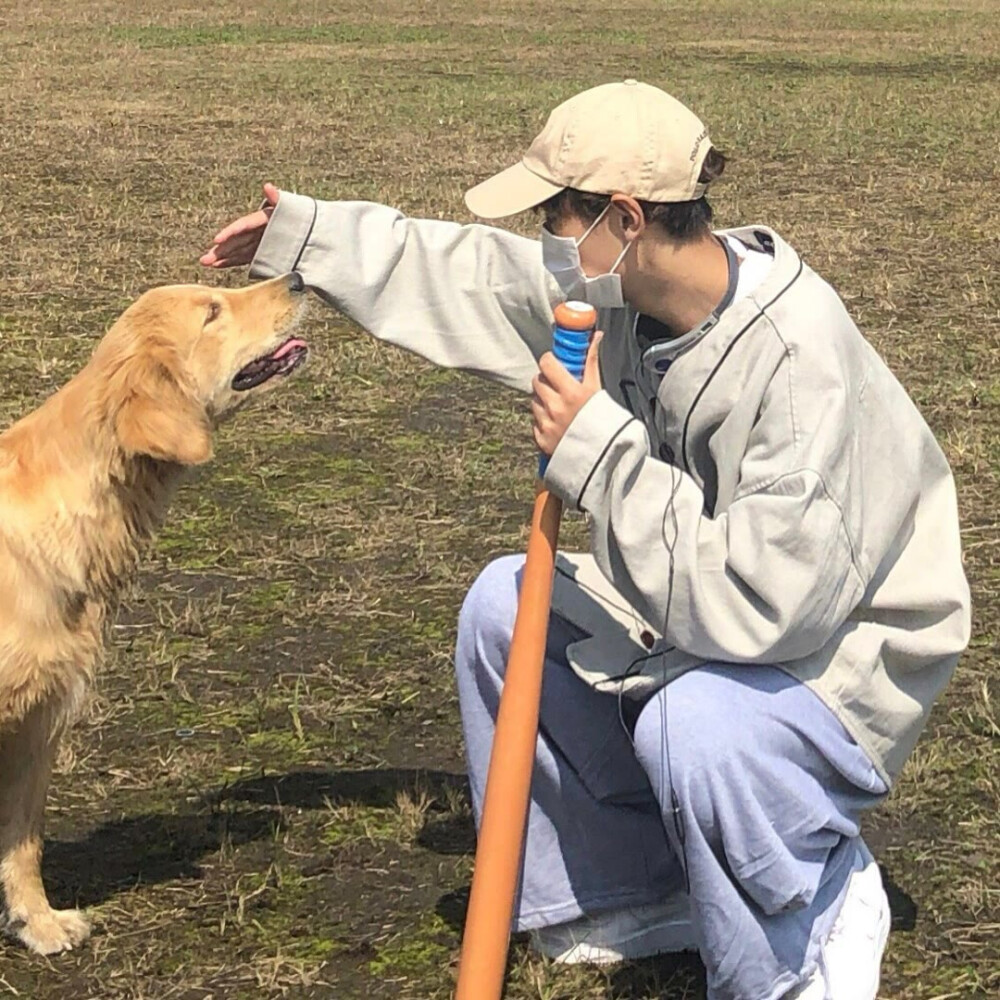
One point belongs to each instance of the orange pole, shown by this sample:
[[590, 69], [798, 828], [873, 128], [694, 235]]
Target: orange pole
[[508, 782]]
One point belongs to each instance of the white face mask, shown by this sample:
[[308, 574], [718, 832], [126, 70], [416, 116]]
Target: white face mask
[[561, 257]]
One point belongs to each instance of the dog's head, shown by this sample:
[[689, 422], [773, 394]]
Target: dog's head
[[184, 357]]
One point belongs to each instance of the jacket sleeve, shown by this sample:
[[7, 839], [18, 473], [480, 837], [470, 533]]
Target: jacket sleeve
[[770, 579], [471, 297]]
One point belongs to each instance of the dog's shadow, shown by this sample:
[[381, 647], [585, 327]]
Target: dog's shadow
[[153, 848], [149, 849]]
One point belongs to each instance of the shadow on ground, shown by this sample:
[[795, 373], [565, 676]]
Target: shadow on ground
[[377, 787], [145, 850]]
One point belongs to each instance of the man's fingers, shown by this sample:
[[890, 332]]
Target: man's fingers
[[542, 425], [237, 242], [211, 259], [239, 250], [554, 372], [592, 366], [542, 441], [246, 224], [544, 394], [216, 257], [235, 250], [233, 229], [240, 242]]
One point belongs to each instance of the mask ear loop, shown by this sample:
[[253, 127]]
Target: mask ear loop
[[621, 256], [593, 225]]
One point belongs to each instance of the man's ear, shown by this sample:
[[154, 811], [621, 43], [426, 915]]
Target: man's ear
[[158, 418], [633, 219]]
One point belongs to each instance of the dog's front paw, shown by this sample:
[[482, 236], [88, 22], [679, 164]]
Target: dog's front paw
[[53, 931]]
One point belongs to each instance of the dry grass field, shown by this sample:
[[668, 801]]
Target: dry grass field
[[267, 798]]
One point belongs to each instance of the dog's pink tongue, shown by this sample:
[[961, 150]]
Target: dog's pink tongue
[[287, 346]]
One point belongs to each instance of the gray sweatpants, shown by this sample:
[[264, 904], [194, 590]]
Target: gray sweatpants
[[738, 786]]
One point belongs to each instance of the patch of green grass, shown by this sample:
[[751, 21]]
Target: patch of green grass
[[284, 747], [422, 950], [359, 823], [273, 596], [196, 540]]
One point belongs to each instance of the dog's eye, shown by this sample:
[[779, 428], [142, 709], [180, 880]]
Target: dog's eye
[[214, 308]]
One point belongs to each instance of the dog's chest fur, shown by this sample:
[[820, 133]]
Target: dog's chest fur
[[63, 579]]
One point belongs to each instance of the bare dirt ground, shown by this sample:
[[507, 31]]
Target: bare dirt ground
[[267, 797]]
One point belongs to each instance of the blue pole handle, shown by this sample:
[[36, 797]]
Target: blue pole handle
[[575, 323]]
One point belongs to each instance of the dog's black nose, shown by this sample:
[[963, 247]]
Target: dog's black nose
[[295, 282]]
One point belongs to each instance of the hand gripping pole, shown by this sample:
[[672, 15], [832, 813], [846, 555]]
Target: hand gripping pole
[[508, 783]]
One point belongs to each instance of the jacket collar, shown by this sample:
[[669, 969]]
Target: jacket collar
[[787, 266]]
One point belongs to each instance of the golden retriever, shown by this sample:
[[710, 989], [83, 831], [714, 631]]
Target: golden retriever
[[84, 483]]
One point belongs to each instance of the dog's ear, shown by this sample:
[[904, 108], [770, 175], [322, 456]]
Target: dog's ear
[[158, 417]]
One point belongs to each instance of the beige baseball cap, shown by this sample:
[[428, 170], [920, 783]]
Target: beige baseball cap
[[628, 137]]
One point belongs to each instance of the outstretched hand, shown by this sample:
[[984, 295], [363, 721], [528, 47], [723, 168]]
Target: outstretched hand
[[558, 397], [238, 242]]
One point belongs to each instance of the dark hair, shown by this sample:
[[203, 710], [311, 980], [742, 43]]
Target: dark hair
[[682, 221]]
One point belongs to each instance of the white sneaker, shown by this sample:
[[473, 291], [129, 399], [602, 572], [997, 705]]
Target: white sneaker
[[617, 935], [851, 956]]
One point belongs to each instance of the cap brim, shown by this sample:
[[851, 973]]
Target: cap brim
[[511, 191]]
